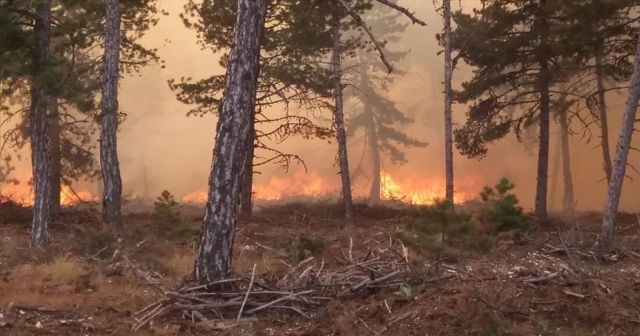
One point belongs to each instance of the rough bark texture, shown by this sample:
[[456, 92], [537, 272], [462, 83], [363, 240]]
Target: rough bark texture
[[54, 154], [112, 191], [568, 201], [543, 87], [604, 124], [246, 190], [448, 71], [338, 115], [605, 240], [213, 260], [38, 127]]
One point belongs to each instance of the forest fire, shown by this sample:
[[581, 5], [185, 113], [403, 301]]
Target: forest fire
[[418, 191], [412, 189], [22, 193]]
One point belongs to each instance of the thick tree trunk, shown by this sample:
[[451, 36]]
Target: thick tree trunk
[[604, 124], [54, 154], [338, 114], [605, 240], [246, 190], [543, 87], [112, 192], [448, 102], [213, 260], [38, 127], [568, 201]]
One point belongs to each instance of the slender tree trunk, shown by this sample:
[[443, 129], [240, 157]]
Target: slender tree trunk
[[568, 201], [213, 260], [338, 114], [54, 154], [372, 135], [604, 124], [38, 127], [448, 101], [246, 192], [605, 240], [543, 87], [112, 192]]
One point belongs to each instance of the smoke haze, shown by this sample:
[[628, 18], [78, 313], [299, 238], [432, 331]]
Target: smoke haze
[[160, 148]]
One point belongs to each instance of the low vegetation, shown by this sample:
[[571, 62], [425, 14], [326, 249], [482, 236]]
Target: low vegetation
[[442, 230], [169, 221]]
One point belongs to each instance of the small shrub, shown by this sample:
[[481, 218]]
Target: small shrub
[[501, 210], [100, 240], [437, 230], [441, 219], [304, 247], [169, 221]]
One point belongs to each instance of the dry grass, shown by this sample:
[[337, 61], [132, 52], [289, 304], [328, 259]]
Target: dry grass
[[52, 284], [179, 263]]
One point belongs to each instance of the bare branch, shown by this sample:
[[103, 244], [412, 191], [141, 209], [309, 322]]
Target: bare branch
[[404, 11], [373, 39]]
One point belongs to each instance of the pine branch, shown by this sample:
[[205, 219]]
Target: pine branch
[[373, 39], [404, 11]]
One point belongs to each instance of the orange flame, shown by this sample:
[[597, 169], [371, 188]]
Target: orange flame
[[417, 191], [22, 193], [410, 188]]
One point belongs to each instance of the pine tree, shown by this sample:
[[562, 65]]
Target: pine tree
[[377, 115], [112, 192], [38, 127], [213, 260], [605, 239], [518, 60]]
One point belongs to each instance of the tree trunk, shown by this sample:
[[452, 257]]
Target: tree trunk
[[605, 240], [338, 114], [543, 87], [246, 190], [213, 260], [448, 101], [372, 135], [38, 127], [604, 124], [112, 192], [54, 154], [568, 201]]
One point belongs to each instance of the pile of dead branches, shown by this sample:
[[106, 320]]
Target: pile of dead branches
[[304, 288]]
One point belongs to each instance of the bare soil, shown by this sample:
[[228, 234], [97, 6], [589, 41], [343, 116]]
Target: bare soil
[[546, 283]]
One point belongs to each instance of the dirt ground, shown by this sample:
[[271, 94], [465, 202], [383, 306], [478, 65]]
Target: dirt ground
[[547, 283]]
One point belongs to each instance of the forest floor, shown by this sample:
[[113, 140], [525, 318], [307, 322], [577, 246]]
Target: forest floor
[[547, 283]]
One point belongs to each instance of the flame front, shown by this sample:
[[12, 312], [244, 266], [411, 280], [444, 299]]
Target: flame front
[[415, 190], [411, 188]]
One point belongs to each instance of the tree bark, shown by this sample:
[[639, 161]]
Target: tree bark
[[448, 102], [54, 154], [213, 260], [338, 115], [38, 127], [568, 201], [543, 87], [605, 240], [246, 190], [112, 192], [604, 124]]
